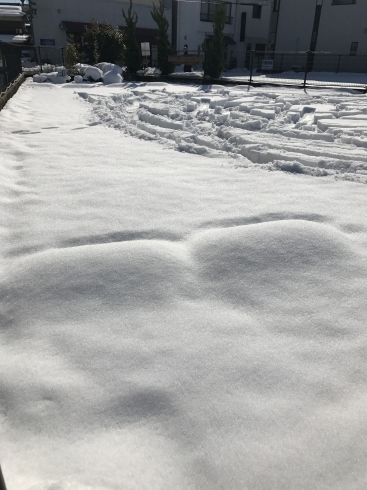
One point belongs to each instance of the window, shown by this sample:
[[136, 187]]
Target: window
[[353, 49], [256, 11], [343, 2], [276, 6], [243, 26], [260, 47], [208, 7]]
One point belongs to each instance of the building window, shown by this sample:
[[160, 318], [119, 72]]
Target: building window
[[243, 27], [259, 47], [343, 2], [256, 11], [276, 6], [208, 7], [353, 49]]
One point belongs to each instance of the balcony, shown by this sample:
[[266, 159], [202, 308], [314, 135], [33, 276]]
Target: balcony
[[209, 17]]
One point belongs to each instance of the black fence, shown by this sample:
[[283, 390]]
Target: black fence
[[299, 68], [10, 64], [246, 66]]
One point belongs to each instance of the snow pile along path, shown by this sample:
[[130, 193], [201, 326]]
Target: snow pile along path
[[315, 133], [169, 321]]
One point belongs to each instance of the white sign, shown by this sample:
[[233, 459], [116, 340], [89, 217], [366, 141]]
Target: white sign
[[145, 49], [267, 64]]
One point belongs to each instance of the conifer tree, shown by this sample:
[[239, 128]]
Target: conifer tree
[[133, 51], [164, 46], [214, 49], [104, 43], [71, 56]]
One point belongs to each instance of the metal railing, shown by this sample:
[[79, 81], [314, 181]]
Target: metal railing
[[300, 68], [209, 17], [10, 64]]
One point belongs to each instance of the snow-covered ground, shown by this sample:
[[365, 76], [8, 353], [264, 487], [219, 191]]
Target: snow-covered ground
[[173, 321], [314, 132]]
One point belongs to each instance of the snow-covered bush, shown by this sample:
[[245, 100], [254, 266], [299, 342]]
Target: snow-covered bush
[[54, 77], [81, 68], [78, 79], [111, 77], [105, 67], [93, 73]]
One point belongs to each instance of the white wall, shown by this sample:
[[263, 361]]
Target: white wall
[[50, 14], [192, 31], [340, 25], [256, 32], [295, 25]]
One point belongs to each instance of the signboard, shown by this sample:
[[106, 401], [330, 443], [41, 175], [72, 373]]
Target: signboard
[[145, 49], [267, 64], [47, 42]]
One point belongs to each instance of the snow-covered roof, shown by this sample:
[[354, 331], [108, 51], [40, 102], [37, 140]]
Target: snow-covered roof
[[11, 11], [11, 38]]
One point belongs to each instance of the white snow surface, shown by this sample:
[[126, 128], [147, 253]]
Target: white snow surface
[[275, 128], [172, 321]]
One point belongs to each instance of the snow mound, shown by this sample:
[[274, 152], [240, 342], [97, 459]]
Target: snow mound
[[128, 272], [78, 79], [110, 77], [39, 78], [55, 77], [81, 68], [246, 264], [106, 67]]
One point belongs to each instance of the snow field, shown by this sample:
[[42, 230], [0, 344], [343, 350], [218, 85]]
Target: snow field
[[260, 129], [169, 320]]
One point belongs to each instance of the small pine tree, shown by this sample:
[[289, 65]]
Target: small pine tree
[[71, 56], [164, 46], [105, 43], [91, 36], [214, 49], [133, 51]]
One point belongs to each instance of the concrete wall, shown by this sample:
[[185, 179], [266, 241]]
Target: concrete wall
[[51, 13]]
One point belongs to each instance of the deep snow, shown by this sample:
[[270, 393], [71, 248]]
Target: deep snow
[[176, 321]]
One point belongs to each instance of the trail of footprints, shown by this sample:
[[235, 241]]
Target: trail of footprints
[[316, 134]]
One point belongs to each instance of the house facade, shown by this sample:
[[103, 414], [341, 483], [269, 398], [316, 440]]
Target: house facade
[[57, 23], [246, 27]]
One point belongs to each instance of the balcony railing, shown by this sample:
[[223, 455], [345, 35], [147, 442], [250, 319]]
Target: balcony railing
[[209, 17]]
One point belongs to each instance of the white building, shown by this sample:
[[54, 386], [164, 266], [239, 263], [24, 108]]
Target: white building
[[246, 27], [337, 26], [13, 24], [59, 22]]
